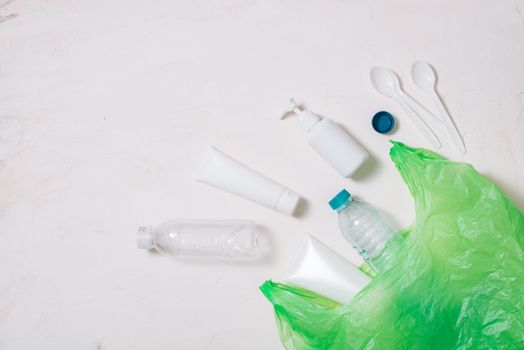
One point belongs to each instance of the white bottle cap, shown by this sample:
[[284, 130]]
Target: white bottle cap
[[144, 239], [288, 202], [305, 117]]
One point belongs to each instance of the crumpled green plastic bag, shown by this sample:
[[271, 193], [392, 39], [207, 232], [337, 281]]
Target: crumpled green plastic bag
[[457, 283]]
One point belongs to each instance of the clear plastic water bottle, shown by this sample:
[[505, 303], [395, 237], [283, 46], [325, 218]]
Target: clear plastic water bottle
[[362, 225], [208, 239]]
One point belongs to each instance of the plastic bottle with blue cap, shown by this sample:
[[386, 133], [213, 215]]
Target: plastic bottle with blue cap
[[362, 225], [330, 141]]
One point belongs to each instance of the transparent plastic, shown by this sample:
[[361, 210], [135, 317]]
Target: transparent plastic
[[207, 239], [362, 225]]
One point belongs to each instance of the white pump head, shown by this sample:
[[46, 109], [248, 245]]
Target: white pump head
[[292, 105], [306, 118]]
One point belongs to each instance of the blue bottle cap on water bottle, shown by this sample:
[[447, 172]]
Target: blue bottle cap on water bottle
[[339, 200], [383, 122]]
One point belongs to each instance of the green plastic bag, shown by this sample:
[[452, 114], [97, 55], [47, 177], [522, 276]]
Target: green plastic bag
[[457, 283]]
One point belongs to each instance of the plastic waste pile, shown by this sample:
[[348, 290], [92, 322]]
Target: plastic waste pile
[[456, 282], [452, 280]]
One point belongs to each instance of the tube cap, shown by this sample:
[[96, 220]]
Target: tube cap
[[339, 200], [383, 122], [287, 203], [144, 238]]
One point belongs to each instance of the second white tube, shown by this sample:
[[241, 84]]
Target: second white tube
[[219, 170], [320, 269]]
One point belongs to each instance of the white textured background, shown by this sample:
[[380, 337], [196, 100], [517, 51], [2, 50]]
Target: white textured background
[[105, 105]]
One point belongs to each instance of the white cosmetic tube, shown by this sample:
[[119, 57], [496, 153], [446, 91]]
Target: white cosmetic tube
[[321, 270], [222, 171]]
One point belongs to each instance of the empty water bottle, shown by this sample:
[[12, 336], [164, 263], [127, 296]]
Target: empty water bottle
[[209, 239], [362, 225]]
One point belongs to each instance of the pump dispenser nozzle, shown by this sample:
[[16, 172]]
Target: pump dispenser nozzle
[[292, 106], [306, 118]]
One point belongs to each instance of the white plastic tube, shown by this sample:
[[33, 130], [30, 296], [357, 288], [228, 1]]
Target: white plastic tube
[[321, 270], [222, 171]]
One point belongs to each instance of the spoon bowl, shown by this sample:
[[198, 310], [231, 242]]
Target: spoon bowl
[[423, 76], [385, 81]]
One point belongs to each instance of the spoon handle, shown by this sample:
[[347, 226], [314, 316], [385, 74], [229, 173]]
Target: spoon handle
[[428, 117], [419, 123], [451, 128]]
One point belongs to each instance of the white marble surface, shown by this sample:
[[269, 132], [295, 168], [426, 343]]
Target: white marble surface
[[104, 106]]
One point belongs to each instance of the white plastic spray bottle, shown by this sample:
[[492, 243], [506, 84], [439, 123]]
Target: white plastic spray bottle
[[330, 141]]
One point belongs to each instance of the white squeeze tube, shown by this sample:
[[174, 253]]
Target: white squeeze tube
[[321, 270], [222, 171]]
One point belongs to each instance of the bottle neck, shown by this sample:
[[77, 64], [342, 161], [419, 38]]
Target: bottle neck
[[343, 206], [307, 119]]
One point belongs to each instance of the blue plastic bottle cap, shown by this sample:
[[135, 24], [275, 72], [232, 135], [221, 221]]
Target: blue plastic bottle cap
[[383, 122], [339, 199]]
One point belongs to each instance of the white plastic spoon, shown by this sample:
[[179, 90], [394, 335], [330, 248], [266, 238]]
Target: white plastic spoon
[[386, 82], [424, 77]]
